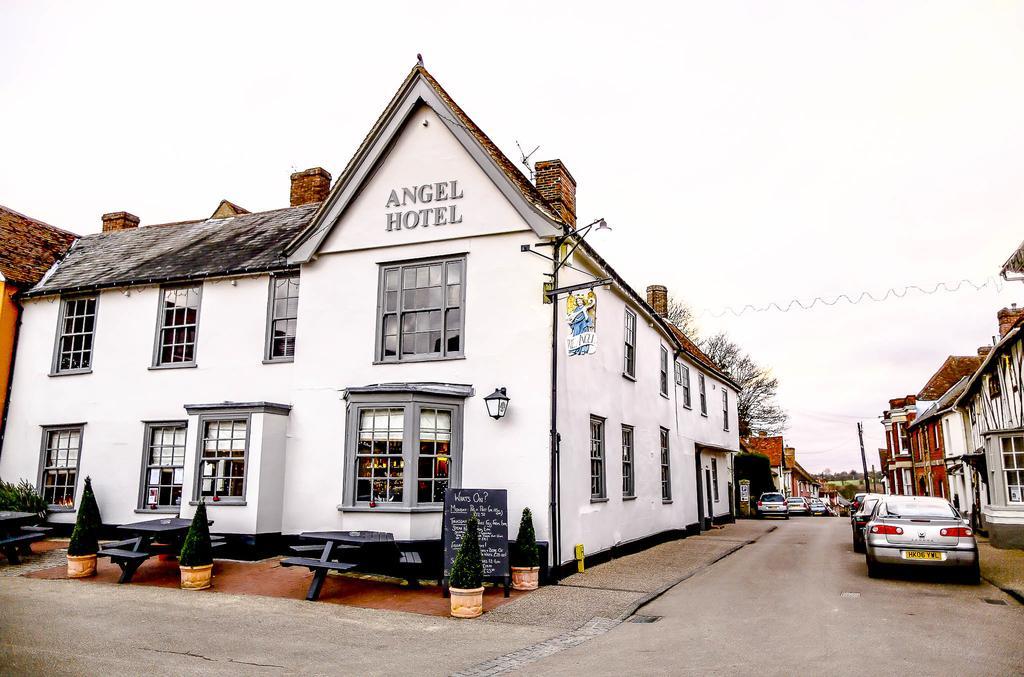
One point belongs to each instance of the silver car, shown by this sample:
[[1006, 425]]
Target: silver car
[[798, 505], [920, 531], [772, 504]]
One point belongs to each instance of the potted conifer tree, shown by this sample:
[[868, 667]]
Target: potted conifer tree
[[85, 536], [196, 558], [466, 582], [525, 558]]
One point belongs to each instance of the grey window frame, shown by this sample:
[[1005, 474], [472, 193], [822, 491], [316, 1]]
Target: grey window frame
[[702, 390], [148, 427], [663, 373], [714, 479], [629, 345], [725, 409], [412, 403], [1018, 469], [687, 403], [666, 464], [601, 459], [378, 350], [158, 343], [47, 429], [268, 347], [628, 464], [55, 369], [222, 416]]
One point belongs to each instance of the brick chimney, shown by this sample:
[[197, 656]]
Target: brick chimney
[[657, 298], [119, 221], [983, 351], [557, 186], [1007, 317], [311, 185]]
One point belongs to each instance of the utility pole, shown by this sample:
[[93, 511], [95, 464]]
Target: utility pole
[[863, 458], [874, 477]]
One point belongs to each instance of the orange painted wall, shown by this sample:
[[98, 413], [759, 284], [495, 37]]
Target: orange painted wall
[[8, 323]]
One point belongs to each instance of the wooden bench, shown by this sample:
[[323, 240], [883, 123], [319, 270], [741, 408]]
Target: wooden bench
[[319, 567], [11, 544], [129, 560]]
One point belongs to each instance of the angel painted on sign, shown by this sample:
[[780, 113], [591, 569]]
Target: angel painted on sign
[[581, 314]]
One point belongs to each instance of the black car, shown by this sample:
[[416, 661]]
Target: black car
[[860, 517]]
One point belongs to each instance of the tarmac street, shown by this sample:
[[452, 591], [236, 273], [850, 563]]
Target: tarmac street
[[798, 601], [756, 597]]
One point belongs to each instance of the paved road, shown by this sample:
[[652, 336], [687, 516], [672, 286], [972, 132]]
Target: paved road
[[778, 607]]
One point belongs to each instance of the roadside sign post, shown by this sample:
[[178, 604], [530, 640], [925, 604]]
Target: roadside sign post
[[745, 497]]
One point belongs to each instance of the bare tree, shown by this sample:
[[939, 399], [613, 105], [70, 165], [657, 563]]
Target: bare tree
[[681, 315], [756, 403]]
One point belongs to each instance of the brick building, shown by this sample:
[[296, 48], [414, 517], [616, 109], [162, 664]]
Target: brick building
[[897, 461]]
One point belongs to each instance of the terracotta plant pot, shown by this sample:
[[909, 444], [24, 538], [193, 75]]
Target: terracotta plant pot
[[196, 578], [525, 578], [81, 566], [467, 603]]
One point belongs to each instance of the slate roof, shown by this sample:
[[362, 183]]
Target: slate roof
[[240, 244], [952, 370], [29, 248]]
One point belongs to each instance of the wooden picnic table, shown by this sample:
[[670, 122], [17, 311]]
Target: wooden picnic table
[[152, 537], [16, 533], [370, 547]]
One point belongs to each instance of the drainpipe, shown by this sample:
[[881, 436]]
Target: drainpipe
[[556, 485], [10, 373]]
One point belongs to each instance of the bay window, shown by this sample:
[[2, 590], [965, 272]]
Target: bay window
[[403, 450], [1012, 448], [223, 452]]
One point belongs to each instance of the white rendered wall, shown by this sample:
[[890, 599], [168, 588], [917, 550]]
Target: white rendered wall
[[122, 391]]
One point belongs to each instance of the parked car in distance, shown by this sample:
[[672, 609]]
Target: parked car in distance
[[798, 505], [772, 504], [860, 518], [818, 507], [858, 500], [920, 531]]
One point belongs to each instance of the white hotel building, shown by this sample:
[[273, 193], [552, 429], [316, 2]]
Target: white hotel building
[[323, 366]]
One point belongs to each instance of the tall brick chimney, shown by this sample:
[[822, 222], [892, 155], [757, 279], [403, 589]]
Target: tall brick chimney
[[119, 221], [1007, 317], [557, 186], [311, 185], [657, 298]]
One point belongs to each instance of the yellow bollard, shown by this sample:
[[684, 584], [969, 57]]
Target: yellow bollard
[[579, 557]]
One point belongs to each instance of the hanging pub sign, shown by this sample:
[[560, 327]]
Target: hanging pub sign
[[581, 314], [491, 508], [423, 206]]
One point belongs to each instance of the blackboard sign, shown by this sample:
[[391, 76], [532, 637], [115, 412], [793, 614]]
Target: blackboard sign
[[491, 508]]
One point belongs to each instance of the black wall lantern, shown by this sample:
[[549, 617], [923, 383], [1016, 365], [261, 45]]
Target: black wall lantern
[[497, 403]]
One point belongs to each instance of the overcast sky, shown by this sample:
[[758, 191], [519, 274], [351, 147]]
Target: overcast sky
[[743, 152]]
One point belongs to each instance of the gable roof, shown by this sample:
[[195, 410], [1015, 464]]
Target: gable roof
[[30, 247], [952, 370], [421, 87], [228, 208], [171, 252], [1012, 336]]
